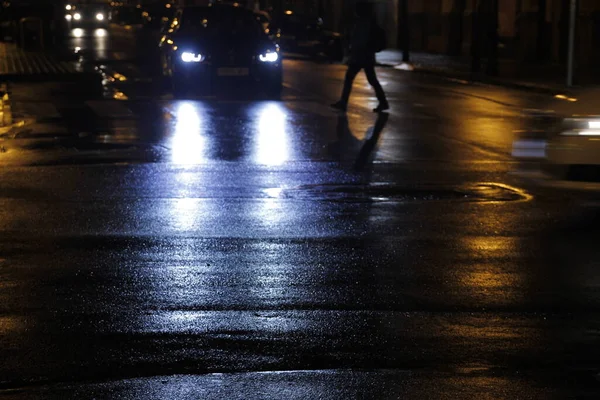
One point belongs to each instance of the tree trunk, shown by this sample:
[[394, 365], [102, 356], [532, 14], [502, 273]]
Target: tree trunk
[[405, 31]]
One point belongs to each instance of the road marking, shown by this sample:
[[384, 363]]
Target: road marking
[[109, 109], [120, 109]]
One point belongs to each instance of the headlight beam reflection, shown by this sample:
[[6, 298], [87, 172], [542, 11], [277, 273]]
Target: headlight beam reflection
[[188, 143], [272, 147]]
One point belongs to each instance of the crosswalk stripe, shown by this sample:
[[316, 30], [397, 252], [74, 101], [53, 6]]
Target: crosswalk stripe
[[109, 109]]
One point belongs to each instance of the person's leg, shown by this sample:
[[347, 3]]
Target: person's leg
[[351, 73], [374, 82]]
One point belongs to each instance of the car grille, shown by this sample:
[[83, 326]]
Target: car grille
[[232, 59]]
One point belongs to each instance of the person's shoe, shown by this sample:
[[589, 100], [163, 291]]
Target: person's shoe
[[338, 106], [382, 107]]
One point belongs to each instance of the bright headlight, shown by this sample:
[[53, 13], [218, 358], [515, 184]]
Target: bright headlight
[[190, 57], [269, 57], [76, 16], [68, 7], [594, 124], [589, 132], [581, 122], [68, 17], [581, 132], [99, 16]]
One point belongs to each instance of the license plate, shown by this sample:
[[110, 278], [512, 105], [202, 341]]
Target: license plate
[[233, 72], [529, 148]]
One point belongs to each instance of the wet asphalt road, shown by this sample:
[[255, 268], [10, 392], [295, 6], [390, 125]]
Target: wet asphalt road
[[236, 247]]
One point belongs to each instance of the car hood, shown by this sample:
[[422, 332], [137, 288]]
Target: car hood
[[225, 45]]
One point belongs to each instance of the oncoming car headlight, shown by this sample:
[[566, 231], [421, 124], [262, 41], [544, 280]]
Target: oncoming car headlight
[[189, 57], [100, 17], [594, 124], [76, 16], [269, 56], [581, 132], [581, 126]]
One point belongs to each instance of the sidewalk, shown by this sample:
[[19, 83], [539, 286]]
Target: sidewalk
[[542, 78], [19, 65]]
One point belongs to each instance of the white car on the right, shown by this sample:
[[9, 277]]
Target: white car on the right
[[563, 140]]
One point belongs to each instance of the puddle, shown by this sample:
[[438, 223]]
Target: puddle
[[488, 192]]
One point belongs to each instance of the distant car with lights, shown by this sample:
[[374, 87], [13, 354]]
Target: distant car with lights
[[80, 13], [564, 138], [206, 46]]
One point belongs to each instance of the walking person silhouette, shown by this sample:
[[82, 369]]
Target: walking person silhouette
[[362, 56]]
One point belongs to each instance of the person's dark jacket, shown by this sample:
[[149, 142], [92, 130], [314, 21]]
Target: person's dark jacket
[[361, 51]]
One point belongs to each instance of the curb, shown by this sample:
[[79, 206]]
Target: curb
[[14, 128], [89, 82], [67, 77], [483, 80]]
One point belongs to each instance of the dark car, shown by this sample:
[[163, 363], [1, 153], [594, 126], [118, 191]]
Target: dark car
[[205, 47], [158, 14], [297, 32], [303, 34], [128, 15]]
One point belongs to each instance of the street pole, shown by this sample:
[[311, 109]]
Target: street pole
[[475, 39], [571, 54]]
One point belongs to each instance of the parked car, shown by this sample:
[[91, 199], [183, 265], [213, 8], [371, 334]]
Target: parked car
[[207, 46], [564, 137], [128, 15], [303, 34]]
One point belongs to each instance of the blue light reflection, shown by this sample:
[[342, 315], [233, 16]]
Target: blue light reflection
[[272, 142], [188, 143]]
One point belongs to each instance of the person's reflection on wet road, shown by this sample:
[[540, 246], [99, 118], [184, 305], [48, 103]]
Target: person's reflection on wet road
[[348, 144], [367, 152]]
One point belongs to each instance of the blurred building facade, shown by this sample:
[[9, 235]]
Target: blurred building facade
[[528, 30]]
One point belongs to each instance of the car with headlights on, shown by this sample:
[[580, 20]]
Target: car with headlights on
[[563, 140], [208, 47], [87, 13]]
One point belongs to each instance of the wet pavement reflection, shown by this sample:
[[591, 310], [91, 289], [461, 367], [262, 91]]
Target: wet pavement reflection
[[240, 248], [189, 140], [94, 42]]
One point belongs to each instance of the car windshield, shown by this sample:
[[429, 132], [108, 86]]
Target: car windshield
[[220, 22]]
